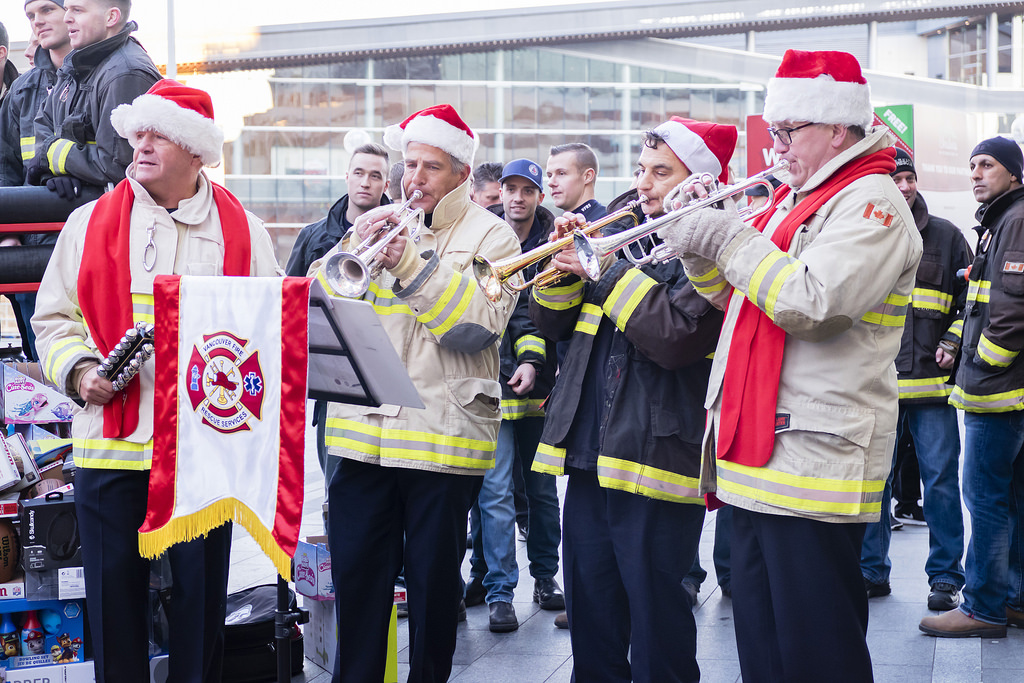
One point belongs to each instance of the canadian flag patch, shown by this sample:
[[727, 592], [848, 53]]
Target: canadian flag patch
[[1013, 267], [876, 214]]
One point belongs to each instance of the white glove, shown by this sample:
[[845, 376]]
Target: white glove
[[704, 232]]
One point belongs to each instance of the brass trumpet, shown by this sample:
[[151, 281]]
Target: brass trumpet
[[348, 273], [591, 251], [493, 277]]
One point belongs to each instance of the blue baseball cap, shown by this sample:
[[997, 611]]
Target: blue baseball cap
[[524, 168]]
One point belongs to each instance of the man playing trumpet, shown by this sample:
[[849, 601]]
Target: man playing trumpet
[[413, 474], [803, 395], [624, 422]]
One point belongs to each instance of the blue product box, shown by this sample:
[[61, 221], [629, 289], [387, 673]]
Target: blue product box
[[63, 627]]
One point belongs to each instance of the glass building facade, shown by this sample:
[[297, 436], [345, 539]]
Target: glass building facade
[[288, 165]]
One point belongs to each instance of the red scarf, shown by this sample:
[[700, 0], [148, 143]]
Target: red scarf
[[105, 278], [751, 384]]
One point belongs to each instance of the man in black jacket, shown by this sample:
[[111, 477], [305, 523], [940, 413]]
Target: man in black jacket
[[527, 375], [8, 72], [624, 421], [17, 132], [990, 390], [75, 143], [367, 181], [931, 337]]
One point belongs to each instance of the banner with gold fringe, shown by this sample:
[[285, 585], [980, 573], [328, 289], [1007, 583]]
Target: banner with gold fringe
[[228, 442]]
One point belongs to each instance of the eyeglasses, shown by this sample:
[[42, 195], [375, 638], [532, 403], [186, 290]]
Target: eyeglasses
[[785, 135]]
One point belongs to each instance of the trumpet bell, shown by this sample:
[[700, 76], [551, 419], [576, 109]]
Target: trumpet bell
[[488, 277], [347, 275]]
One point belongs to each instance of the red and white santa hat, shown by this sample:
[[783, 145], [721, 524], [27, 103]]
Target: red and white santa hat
[[438, 126], [182, 114], [821, 87], [703, 147]]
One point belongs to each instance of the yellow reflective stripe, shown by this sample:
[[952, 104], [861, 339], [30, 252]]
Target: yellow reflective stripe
[[549, 459], [932, 299], [444, 314], [797, 492], [518, 408], [559, 298], [407, 444], [589, 319], [957, 328], [61, 356], [773, 291], [57, 155], [531, 343], [113, 454], [384, 301], [709, 282], [890, 313], [142, 308], [28, 148], [627, 294], [994, 354], [644, 480], [979, 290], [992, 403], [928, 387]]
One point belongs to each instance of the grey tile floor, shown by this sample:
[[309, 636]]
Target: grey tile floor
[[538, 652]]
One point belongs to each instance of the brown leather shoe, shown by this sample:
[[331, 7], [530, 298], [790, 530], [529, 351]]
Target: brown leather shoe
[[1014, 618], [956, 624]]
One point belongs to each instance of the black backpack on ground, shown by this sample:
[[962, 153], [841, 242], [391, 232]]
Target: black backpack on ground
[[250, 653]]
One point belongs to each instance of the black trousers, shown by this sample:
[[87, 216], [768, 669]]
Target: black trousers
[[371, 509], [624, 559], [799, 604], [111, 506]]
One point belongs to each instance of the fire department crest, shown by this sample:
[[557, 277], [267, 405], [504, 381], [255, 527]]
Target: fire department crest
[[225, 382]]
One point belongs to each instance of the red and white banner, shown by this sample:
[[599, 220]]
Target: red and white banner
[[231, 359]]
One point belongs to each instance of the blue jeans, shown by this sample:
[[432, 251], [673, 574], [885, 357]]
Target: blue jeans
[[493, 522], [994, 493], [936, 436]]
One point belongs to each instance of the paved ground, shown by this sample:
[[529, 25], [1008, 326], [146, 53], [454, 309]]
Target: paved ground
[[538, 652]]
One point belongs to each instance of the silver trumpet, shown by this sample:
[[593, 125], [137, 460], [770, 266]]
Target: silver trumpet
[[348, 273], [591, 251]]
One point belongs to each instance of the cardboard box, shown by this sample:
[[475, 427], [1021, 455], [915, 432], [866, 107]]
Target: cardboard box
[[26, 464], [63, 625], [49, 533], [312, 569], [321, 637], [82, 672], [27, 399], [65, 583]]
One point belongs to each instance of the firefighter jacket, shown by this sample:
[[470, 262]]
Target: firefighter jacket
[[640, 340], [936, 309], [990, 377], [522, 343], [446, 332], [72, 128], [188, 242], [841, 294], [17, 118]]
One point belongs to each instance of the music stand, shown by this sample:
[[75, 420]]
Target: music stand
[[351, 360]]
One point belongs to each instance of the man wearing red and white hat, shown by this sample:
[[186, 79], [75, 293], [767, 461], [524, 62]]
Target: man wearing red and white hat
[[623, 422], [803, 394], [166, 217], [408, 473]]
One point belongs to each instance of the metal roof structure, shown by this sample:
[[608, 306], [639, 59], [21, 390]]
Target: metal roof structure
[[560, 25]]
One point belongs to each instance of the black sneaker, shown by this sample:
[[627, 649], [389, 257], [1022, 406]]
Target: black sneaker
[[877, 590], [910, 514], [943, 597]]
